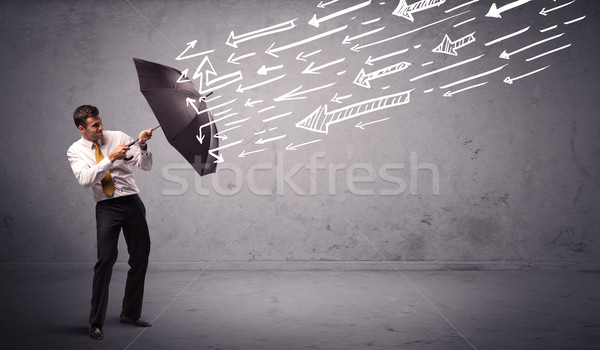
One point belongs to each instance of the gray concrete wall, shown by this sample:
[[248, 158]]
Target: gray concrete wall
[[518, 164]]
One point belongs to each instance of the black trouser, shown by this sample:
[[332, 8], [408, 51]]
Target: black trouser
[[129, 214]]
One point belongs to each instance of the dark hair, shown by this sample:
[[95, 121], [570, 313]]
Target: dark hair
[[82, 113]]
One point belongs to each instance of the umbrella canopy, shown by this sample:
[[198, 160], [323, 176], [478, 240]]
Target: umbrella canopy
[[179, 119]]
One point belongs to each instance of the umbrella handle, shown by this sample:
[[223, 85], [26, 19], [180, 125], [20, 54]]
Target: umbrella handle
[[136, 140]]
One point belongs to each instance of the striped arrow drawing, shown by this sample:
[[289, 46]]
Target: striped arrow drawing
[[320, 119], [449, 47], [233, 40], [404, 10], [495, 12], [314, 21], [363, 79]]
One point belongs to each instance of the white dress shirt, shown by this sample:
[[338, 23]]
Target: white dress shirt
[[82, 156]]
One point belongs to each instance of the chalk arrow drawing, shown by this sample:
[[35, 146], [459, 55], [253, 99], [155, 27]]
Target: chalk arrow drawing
[[233, 40], [348, 39], [302, 57], [363, 79], [315, 70], [224, 137], [250, 103], [449, 47], [183, 77], [219, 158], [545, 12], [518, 32], [272, 51], [292, 147], [264, 70], [205, 79], [510, 80], [314, 21], [473, 77], [452, 93], [404, 10], [244, 153], [322, 5], [362, 125], [338, 99], [191, 45], [357, 47], [506, 55], [320, 119], [262, 141], [246, 88], [495, 12], [200, 136], [370, 60], [241, 57], [297, 95]]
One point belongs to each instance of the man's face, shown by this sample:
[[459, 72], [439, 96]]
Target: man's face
[[93, 129]]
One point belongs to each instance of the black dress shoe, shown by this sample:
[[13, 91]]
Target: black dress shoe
[[139, 322], [96, 333]]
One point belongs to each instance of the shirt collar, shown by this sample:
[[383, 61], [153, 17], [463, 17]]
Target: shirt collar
[[89, 144]]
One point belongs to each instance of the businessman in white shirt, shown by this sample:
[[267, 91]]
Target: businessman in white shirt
[[101, 159]]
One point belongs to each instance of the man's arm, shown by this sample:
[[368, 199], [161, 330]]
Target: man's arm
[[88, 175], [143, 158]]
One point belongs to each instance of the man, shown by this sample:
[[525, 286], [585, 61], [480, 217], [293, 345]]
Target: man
[[99, 160]]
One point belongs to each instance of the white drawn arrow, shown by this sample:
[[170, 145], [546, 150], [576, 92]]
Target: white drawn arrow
[[314, 21], [297, 95], [358, 47], [473, 77], [191, 45], [206, 81], [183, 75], [292, 147], [449, 47], [244, 153], [496, 11], [545, 12], [233, 40], [348, 39], [320, 119], [322, 5], [271, 51], [510, 80], [263, 70], [219, 157], [363, 79], [452, 93], [406, 11], [302, 57], [250, 103], [521, 31], [339, 99], [245, 88], [200, 136], [262, 141], [315, 70], [447, 67], [506, 55], [235, 60], [224, 137], [370, 60], [362, 125]]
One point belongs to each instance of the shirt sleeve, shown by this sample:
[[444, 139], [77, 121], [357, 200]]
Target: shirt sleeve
[[141, 159], [87, 175]]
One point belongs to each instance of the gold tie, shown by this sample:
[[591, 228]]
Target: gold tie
[[108, 186]]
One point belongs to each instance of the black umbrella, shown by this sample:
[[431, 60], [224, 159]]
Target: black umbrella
[[178, 116]]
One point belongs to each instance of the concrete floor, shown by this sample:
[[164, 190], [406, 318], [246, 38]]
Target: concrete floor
[[311, 310]]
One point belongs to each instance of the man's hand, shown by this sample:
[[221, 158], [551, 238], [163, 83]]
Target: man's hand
[[145, 136], [118, 153]]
